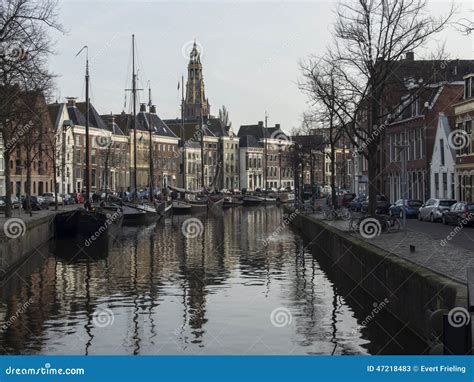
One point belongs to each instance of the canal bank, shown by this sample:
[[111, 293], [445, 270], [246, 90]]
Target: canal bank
[[21, 234], [414, 294]]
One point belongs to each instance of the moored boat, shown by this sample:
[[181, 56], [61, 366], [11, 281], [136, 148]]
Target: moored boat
[[257, 200], [181, 207], [198, 205], [167, 211], [230, 201], [133, 216]]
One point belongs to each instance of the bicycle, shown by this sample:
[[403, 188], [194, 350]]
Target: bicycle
[[355, 221], [390, 224], [341, 213]]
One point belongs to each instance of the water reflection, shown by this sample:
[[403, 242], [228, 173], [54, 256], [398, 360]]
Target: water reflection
[[156, 291]]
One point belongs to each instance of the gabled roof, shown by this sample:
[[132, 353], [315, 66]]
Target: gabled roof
[[216, 126], [55, 111], [190, 128], [431, 71], [94, 118], [158, 126], [313, 141], [249, 141], [259, 131]]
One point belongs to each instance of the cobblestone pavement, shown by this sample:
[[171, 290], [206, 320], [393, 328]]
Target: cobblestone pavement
[[36, 214], [441, 257]]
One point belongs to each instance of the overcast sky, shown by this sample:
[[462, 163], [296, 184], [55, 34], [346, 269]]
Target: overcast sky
[[250, 52]]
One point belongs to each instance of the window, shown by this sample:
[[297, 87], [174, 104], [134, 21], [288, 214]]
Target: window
[[436, 180], [441, 148], [445, 184]]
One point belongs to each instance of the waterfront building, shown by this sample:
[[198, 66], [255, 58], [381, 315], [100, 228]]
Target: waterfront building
[[228, 177], [464, 112], [251, 162], [443, 161], [416, 92], [31, 151], [109, 149], [410, 144], [200, 164], [278, 171]]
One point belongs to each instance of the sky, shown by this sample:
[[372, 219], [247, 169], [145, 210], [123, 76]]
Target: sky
[[250, 52]]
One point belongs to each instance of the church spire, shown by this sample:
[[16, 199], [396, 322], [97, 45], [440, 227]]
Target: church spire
[[196, 103]]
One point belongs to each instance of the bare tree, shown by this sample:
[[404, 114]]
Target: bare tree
[[224, 116], [24, 48], [321, 81], [371, 40]]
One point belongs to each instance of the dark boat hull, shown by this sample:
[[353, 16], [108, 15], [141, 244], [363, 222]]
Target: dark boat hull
[[181, 208], [83, 222]]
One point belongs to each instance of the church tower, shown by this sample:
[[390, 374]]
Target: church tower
[[195, 103]]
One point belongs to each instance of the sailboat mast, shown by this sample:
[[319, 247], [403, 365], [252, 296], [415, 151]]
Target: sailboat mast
[[202, 152], [87, 175], [152, 194], [265, 153], [134, 95], [183, 151]]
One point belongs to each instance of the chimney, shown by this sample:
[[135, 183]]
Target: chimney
[[260, 123], [410, 56], [277, 126], [143, 108], [71, 101], [111, 121], [153, 109]]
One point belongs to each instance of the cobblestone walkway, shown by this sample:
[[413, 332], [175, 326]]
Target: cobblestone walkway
[[443, 258]]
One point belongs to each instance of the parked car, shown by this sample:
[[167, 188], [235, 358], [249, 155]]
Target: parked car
[[410, 207], [382, 206], [14, 199], [37, 203], [461, 213], [433, 209], [356, 203], [49, 197]]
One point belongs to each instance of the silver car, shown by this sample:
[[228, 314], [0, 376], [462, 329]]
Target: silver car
[[433, 209]]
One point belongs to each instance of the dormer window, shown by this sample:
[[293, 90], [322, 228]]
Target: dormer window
[[469, 87]]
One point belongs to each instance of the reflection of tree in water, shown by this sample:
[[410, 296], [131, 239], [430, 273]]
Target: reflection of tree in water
[[313, 295]]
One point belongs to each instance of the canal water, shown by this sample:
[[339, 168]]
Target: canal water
[[245, 282]]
